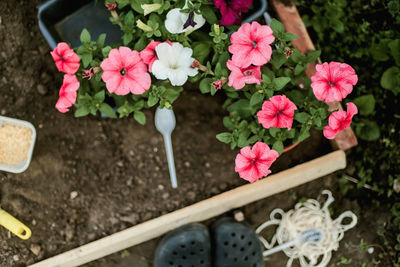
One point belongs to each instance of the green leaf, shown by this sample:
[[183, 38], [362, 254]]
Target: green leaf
[[380, 51], [224, 137], [141, 43], [201, 50], [280, 82], [312, 55], [242, 107], [304, 133], [101, 40], [367, 130], [139, 117], [278, 59], [205, 85], [242, 141], [85, 36], [391, 79], [276, 26], [129, 19], [107, 110], [394, 47], [81, 111], [105, 51], [288, 36], [127, 38], [86, 59], [278, 146], [152, 100], [228, 123], [208, 13], [299, 68], [100, 96], [365, 104], [302, 117], [273, 131], [256, 98]]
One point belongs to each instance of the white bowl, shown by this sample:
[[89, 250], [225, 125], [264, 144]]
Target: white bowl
[[23, 165]]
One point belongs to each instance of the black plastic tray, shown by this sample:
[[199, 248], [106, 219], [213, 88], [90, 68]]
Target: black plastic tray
[[64, 20]]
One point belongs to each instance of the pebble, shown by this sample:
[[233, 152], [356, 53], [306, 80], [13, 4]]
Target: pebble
[[207, 165], [155, 149], [4, 79], [133, 218], [35, 249], [187, 164], [165, 195], [3, 111], [396, 185], [34, 222], [131, 153], [191, 195], [120, 164], [223, 186], [160, 187], [3, 54], [16, 258], [73, 194], [42, 90], [40, 126]]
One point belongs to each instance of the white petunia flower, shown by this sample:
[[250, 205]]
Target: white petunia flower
[[176, 20], [174, 63]]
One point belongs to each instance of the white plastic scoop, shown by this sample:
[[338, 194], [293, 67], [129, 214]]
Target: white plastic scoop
[[165, 124], [309, 235]]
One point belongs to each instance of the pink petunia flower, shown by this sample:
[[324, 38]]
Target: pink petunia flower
[[333, 81], [149, 55], [251, 45], [231, 10], [254, 163], [278, 111], [340, 120], [65, 58], [67, 94], [241, 76], [125, 72]]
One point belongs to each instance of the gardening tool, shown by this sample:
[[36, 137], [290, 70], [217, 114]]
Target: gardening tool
[[165, 124], [13, 225], [309, 235]]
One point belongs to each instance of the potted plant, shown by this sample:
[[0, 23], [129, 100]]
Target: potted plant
[[270, 101]]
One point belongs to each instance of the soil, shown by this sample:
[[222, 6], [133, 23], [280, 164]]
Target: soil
[[91, 177]]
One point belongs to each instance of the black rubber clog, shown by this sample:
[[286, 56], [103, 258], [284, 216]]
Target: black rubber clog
[[186, 246], [235, 245]]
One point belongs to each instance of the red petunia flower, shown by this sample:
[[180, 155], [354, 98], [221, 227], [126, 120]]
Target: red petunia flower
[[231, 10], [254, 163], [66, 59], [67, 94], [251, 45], [125, 72], [239, 77], [333, 81], [278, 111], [340, 120]]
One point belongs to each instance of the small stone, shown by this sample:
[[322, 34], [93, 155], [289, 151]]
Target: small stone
[[35, 249], [42, 90], [191, 195], [16, 258], [238, 215], [120, 164], [370, 250], [132, 219], [223, 186], [129, 182], [187, 164], [3, 54], [155, 149], [3, 111], [34, 222], [147, 216], [40, 126], [208, 174], [69, 233], [165, 196], [73, 194], [131, 153], [160, 187], [4, 79], [207, 165], [214, 190], [396, 185]]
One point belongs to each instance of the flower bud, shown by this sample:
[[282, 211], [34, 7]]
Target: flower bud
[[141, 25], [148, 8]]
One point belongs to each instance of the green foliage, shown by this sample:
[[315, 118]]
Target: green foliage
[[365, 34]]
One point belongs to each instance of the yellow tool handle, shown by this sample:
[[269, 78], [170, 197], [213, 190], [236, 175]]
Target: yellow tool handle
[[14, 226]]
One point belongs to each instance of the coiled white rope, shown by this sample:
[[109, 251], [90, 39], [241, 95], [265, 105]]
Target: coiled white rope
[[305, 216]]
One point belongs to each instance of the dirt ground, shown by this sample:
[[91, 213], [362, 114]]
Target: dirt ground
[[91, 177]]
